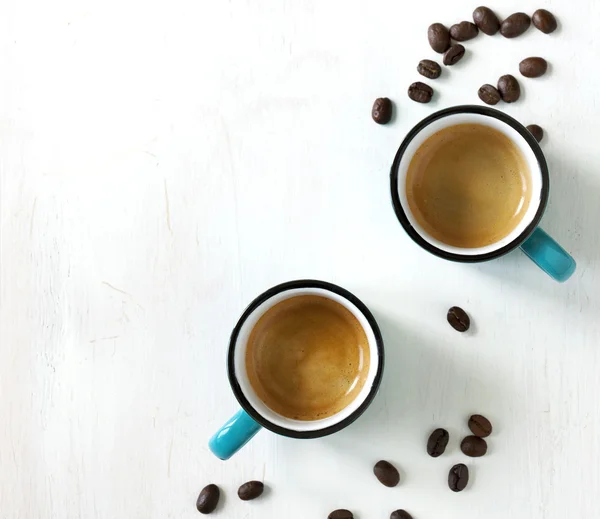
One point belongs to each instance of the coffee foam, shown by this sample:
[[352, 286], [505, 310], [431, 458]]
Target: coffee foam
[[307, 358], [468, 185]]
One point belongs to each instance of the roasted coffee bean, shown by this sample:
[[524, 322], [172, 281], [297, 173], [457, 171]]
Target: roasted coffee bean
[[509, 88], [515, 25], [439, 37], [533, 67], [341, 514], [458, 319], [420, 92], [208, 499], [386, 473], [428, 68], [544, 21], [489, 94], [480, 426], [437, 442], [463, 31], [473, 446], [250, 490], [400, 514], [382, 110], [458, 477], [486, 20], [454, 54], [536, 131]]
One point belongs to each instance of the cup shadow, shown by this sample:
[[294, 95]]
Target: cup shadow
[[571, 219], [424, 386]]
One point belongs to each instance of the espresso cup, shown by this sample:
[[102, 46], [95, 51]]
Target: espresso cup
[[314, 304], [526, 234]]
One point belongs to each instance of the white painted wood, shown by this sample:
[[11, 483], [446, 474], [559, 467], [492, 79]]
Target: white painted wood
[[164, 162]]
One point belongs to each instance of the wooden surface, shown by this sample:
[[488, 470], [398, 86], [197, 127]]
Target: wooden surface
[[162, 163]]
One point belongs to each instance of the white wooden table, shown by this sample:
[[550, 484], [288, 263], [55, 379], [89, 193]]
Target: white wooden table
[[162, 163]]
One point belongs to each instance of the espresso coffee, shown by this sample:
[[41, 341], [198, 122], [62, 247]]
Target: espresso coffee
[[307, 357], [468, 185]]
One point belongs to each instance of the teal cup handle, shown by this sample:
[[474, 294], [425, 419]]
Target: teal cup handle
[[236, 433], [549, 255]]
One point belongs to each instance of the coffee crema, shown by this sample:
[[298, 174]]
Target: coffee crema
[[468, 185], [307, 357]]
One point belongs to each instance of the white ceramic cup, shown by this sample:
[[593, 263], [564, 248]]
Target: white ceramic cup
[[542, 249], [255, 413]]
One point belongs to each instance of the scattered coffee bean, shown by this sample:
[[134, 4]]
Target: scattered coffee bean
[[341, 514], [458, 319], [382, 110], [486, 20], [386, 473], [533, 67], [439, 37], [489, 94], [473, 446], [458, 477], [437, 442], [480, 426], [400, 514], [509, 88], [454, 54], [463, 31], [208, 499], [420, 92], [428, 68], [536, 131], [544, 21], [250, 490], [515, 25]]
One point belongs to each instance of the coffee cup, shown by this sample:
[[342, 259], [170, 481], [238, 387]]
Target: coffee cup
[[471, 184], [305, 360]]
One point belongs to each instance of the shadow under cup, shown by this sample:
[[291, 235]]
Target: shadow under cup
[[255, 414], [542, 249]]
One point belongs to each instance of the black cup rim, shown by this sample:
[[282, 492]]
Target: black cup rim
[[235, 385], [490, 112]]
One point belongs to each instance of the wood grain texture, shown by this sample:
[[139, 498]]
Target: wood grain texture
[[164, 162]]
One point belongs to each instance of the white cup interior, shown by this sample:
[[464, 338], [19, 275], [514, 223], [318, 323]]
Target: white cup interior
[[516, 138], [259, 406]]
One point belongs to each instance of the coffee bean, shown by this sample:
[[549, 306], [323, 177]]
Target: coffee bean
[[400, 514], [386, 473], [341, 514], [458, 477], [515, 25], [486, 20], [544, 21], [428, 68], [382, 110], [509, 88], [536, 131], [480, 426], [463, 31], [420, 92], [251, 490], [458, 319], [454, 54], [439, 37], [473, 446], [208, 499], [533, 67], [437, 442], [489, 94]]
